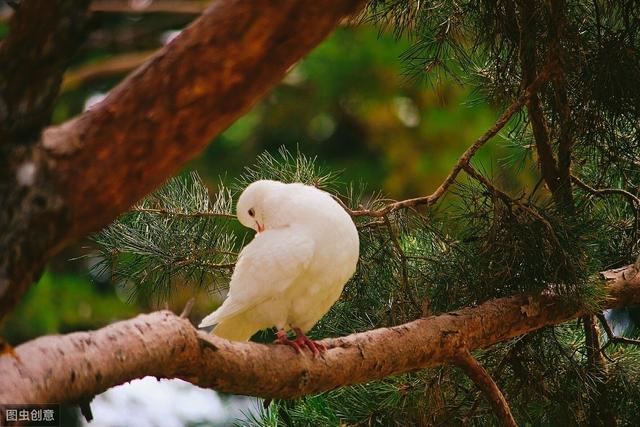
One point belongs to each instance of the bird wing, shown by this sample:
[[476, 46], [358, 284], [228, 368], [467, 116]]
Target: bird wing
[[266, 267]]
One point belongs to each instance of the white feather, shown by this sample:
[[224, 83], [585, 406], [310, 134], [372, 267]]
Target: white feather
[[293, 272]]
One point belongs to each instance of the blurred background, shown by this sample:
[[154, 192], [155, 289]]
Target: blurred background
[[350, 103]]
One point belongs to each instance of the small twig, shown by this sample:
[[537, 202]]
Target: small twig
[[370, 224], [189, 7], [635, 200], [403, 263], [611, 337], [186, 311], [464, 159], [184, 214], [510, 201], [487, 385], [110, 67]]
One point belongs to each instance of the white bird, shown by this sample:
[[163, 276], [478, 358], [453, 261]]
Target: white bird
[[305, 250]]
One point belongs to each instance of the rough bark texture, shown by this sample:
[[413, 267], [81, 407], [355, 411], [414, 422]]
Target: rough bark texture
[[43, 35], [90, 169], [71, 367]]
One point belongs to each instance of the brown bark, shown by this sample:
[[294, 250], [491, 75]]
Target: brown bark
[[90, 169], [43, 36], [528, 23], [71, 367], [601, 413], [485, 383], [115, 66], [559, 84], [189, 7]]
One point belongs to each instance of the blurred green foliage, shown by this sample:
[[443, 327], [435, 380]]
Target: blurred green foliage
[[61, 303]]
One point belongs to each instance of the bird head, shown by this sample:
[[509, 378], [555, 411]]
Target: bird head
[[258, 206]]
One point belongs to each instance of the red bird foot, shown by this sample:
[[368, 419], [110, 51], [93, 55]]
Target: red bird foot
[[300, 342]]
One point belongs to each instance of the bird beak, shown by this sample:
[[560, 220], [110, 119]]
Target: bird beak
[[260, 227]]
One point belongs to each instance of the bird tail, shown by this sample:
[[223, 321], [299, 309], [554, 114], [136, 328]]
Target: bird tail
[[236, 327]]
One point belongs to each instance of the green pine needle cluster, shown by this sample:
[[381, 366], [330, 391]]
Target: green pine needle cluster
[[416, 263], [479, 243]]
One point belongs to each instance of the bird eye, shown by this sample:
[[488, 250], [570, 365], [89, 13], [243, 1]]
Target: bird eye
[[252, 212]]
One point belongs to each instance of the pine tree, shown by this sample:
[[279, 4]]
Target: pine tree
[[565, 74]]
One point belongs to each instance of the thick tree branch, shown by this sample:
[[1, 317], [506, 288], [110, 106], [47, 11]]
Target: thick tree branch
[[69, 367], [94, 167], [168, 110], [485, 383]]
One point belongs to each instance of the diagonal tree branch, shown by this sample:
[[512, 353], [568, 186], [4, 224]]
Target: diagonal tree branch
[[94, 167], [189, 92], [463, 160], [69, 367], [485, 383]]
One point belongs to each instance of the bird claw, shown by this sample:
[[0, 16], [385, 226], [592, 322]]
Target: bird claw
[[301, 342]]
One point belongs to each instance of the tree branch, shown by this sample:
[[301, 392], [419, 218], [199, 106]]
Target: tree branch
[[633, 199], [559, 84], [485, 383], [528, 57], [43, 36], [114, 66], [66, 368], [183, 214], [189, 7], [464, 159], [89, 170]]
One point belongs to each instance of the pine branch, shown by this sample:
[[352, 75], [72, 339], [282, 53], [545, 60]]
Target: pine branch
[[464, 159], [168, 212], [176, 125], [528, 58], [601, 192], [487, 385], [559, 84], [510, 201], [69, 367]]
